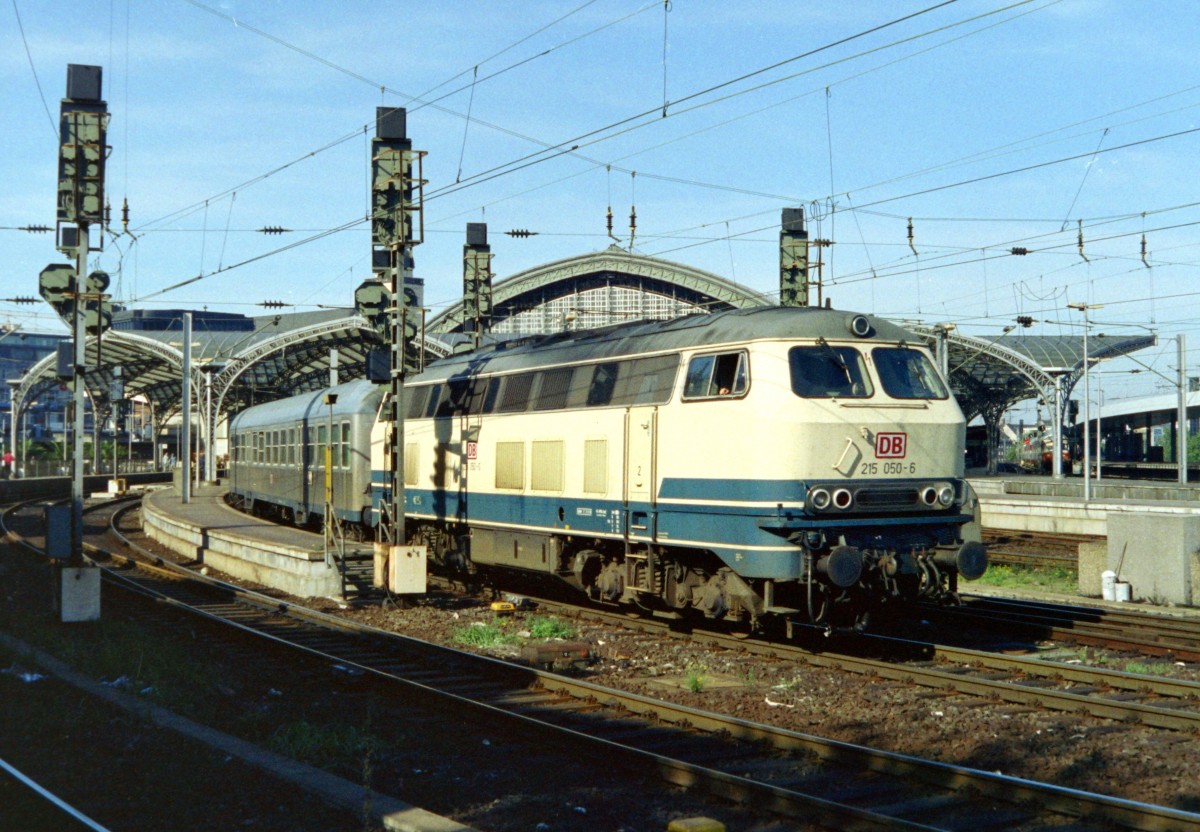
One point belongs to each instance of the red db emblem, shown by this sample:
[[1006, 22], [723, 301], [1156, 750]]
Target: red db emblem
[[891, 445]]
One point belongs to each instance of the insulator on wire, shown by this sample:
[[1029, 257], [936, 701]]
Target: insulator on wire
[[521, 232], [22, 299], [1020, 251], [272, 304], [273, 229], [35, 229]]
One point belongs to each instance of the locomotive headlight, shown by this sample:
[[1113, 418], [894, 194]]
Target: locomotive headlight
[[818, 498], [859, 325], [946, 495], [843, 499], [929, 495]]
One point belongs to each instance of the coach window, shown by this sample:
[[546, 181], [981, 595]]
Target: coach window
[[291, 446], [715, 376], [907, 374], [260, 449], [825, 372], [345, 444]]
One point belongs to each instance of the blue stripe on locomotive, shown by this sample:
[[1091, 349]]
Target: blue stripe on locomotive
[[746, 532]]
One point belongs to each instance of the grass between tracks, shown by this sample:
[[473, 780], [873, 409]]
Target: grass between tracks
[[505, 630], [1053, 579]]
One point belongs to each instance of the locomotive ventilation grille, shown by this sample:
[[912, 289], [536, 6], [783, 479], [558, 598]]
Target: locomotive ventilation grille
[[881, 498], [834, 498]]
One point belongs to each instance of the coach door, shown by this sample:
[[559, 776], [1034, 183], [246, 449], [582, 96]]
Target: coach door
[[641, 434]]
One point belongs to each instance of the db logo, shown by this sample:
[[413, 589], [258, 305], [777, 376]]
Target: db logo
[[891, 445], [472, 450]]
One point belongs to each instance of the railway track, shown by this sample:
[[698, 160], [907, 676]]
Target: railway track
[[25, 804], [1122, 630], [792, 774], [1032, 680], [1039, 550]]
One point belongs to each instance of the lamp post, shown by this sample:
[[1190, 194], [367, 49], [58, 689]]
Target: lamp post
[[330, 400], [25, 435], [1099, 413], [1087, 399], [13, 383]]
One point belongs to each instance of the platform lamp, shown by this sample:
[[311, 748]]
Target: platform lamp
[[1087, 399], [330, 399], [13, 384], [25, 435]]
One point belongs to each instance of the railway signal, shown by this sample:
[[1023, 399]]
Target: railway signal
[[82, 151], [397, 224], [477, 281]]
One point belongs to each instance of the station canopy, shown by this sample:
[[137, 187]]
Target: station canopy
[[990, 375], [238, 360]]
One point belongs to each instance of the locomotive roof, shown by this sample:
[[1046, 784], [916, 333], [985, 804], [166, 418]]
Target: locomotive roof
[[688, 332], [354, 398]]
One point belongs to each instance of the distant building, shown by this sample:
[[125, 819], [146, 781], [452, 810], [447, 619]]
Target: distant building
[[43, 419]]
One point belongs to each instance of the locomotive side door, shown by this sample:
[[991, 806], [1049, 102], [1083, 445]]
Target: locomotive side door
[[640, 490]]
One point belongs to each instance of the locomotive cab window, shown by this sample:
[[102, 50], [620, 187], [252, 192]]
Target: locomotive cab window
[[908, 374], [825, 372], [716, 376]]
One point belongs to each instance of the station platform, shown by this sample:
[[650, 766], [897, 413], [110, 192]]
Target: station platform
[[240, 545], [1056, 506], [1150, 531]]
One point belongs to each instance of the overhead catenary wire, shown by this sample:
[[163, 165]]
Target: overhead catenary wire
[[727, 237], [241, 24], [33, 70], [554, 149], [971, 181], [694, 95]]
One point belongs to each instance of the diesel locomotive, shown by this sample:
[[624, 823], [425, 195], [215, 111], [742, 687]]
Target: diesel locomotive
[[799, 462]]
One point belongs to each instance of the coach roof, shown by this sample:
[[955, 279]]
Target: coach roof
[[729, 327]]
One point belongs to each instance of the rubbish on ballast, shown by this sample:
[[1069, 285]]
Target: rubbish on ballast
[[23, 675]]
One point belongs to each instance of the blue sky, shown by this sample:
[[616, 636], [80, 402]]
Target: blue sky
[[992, 124]]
